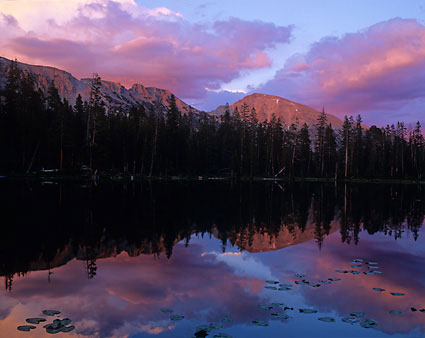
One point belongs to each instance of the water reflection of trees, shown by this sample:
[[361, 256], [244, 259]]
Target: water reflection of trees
[[149, 218]]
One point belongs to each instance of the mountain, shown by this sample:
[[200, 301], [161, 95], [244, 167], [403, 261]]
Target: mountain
[[114, 94], [287, 111]]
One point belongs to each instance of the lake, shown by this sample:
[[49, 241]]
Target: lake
[[213, 259]]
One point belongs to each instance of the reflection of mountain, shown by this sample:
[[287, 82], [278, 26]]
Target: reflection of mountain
[[48, 225], [286, 236]]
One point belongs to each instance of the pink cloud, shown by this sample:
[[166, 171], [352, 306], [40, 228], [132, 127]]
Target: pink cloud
[[379, 69], [150, 49]]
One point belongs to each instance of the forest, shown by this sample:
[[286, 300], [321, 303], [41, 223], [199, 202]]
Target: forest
[[39, 132]]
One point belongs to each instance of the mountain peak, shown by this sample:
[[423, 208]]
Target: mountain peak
[[288, 111]]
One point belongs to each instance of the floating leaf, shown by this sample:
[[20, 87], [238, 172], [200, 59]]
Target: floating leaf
[[272, 282], [356, 266], [26, 328], [51, 312], [353, 272], [201, 333], [35, 320], [334, 279], [350, 320], [413, 309], [358, 260], [368, 323], [280, 315], [422, 310], [284, 289], [68, 328], [271, 287], [325, 282], [260, 323], [278, 304], [397, 293], [226, 319], [395, 312], [285, 285], [301, 282], [215, 326], [371, 263], [265, 307], [327, 319], [66, 321], [222, 335], [298, 275], [378, 289], [176, 317], [341, 271], [165, 310], [357, 314], [287, 308], [307, 311]]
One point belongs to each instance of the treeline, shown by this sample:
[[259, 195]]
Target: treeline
[[43, 131]]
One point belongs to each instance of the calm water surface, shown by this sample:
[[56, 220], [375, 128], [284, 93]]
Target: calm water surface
[[111, 256]]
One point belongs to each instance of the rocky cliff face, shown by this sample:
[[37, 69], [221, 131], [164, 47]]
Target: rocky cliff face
[[114, 94], [287, 111]]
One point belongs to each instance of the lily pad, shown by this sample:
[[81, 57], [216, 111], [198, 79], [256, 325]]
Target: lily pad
[[341, 271], [378, 289], [278, 304], [226, 319], [395, 312], [308, 311], [396, 293], [350, 320], [272, 282], [354, 272], [357, 314], [422, 310], [201, 333], [284, 289], [334, 279], [301, 282], [356, 266], [371, 263], [35, 320], [176, 317], [368, 323], [413, 309], [325, 282], [280, 315], [26, 328], [285, 285], [260, 323], [51, 312], [327, 319], [222, 335], [68, 328], [270, 287], [265, 307], [66, 321], [165, 310], [299, 275], [215, 327], [358, 260]]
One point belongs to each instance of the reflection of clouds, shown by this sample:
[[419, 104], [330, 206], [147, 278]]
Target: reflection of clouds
[[128, 293], [244, 264]]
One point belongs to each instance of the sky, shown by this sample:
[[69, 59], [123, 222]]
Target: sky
[[349, 57]]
